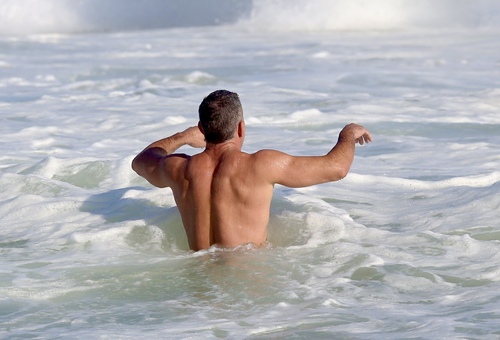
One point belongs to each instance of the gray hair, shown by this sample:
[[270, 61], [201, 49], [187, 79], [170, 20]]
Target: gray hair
[[220, 112]]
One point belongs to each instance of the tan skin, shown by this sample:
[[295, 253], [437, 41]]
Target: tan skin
[[223, 194]]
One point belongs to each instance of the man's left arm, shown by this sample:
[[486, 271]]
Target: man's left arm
[[303, 171], [150, 162]]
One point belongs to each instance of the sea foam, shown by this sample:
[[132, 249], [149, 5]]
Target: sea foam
[[407, 245], [20, 17]]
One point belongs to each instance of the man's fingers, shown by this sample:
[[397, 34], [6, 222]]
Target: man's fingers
[[368, 137], [365, 138]]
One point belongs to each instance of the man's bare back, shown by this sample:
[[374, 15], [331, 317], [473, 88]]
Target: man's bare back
[[232, 203], [223, 194]]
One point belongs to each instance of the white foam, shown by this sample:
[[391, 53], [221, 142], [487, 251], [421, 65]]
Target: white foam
[[307, 115], [476, 181], [362, 15], [18, 17], [372, 255], [175, 120], [31, 16], [111, 237], [198, 77]]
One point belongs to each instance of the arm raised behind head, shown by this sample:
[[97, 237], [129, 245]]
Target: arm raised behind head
[[150, 163], [302, 171]]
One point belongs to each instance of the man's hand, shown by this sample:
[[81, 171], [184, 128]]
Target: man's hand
[[194, 137], [357, 132]]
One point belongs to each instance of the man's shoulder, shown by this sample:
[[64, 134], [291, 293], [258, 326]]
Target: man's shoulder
[[175, 159], [267, 157], [175, 163], [267, 154]]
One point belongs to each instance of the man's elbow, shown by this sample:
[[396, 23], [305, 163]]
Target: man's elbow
[[341, 173], [136, 165]]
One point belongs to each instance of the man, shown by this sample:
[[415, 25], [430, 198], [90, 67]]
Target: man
[[223, 194]]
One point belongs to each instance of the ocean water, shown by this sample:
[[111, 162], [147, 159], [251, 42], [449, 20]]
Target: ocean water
[[406, 246]]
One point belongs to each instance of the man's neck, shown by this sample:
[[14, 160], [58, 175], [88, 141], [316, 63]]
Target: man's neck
[[224, 147]]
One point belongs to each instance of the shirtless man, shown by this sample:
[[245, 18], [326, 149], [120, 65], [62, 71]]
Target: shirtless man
[[223, 194]]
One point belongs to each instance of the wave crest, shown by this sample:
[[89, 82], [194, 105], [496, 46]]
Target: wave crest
[[20, 17]]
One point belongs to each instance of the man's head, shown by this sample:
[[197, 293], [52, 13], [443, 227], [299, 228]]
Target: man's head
[[220, 112]]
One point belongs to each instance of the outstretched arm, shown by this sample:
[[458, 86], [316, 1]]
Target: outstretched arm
[[302, 171], [342, 154], [150, 162]]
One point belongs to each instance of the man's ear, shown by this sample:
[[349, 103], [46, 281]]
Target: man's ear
[[200, 128], [241, 128]]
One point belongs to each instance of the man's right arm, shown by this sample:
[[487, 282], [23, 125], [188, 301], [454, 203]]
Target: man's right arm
[[302, 171], [150, 163]]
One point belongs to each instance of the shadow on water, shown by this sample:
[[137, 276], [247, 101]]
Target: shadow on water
[[126, 206], [115, 207]]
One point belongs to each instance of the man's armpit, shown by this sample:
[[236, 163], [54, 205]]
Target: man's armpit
[[172, 168]]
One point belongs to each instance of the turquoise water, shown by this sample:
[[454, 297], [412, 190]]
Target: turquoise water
[[406, 246]]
